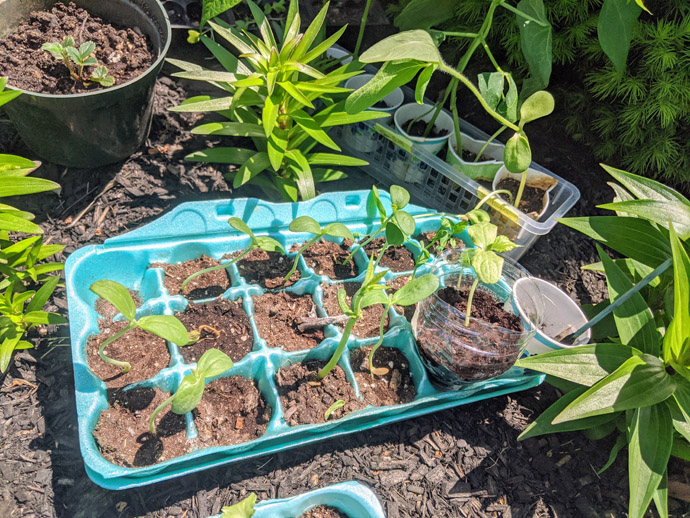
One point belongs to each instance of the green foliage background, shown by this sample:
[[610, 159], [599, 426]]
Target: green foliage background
[[640, 120]]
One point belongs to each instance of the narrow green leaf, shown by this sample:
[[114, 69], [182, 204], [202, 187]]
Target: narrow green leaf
[[222, 155], [335, 159], [305, 181], [661, 212], [621, 442], [236, 129], [312, 128], [295, 93], [423, 83], [678, 330], [645, 188], [277, 145], [44, 318], [17, 186], [13, 223], [253, 166], [117, 295], [42, 295], [269, 115], [323, 46]]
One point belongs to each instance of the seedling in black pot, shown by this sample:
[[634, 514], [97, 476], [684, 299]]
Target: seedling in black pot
[[81, 57]]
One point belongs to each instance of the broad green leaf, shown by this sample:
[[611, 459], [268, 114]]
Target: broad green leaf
[[240, 225], [649, 448], [16, 186], [236, 129], [394, 236], [269, 244], [617, 20], [213, 363], [117, 295], [334, 159], [166, 327], [373, 297], [539, 104], [312, 128], [678, 330], [416, 290], [535, 40], [405, 222], [661, 212], [502, 244], [399, 197], [212, 8], [491, 87], [338, 230], [645, 188], [222, 155], [542, 424], [188, 394], [424, 14], [305, 224], [415, 44], [641, 381], [483, 233], [43, 294], [242, 509], [392, 75], [488, 266], [517, 155], [633, 237], [634, 320]]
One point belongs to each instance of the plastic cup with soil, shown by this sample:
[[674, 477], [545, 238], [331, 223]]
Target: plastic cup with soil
[[397, 258], [206, 286], [267, 269], [285, 320], [327, 258], [368, 325], [392, 382], [456, 354], [485, 168], [535, 196], [305, 398], [222, 324]]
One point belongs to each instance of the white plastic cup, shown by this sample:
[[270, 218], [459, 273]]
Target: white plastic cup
[[534, 179], [481, 170]]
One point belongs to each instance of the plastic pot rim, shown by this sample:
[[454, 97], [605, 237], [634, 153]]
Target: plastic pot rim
[[427, 107]]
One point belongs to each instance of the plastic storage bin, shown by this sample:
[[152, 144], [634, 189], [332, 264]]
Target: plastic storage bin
[[197, 228]]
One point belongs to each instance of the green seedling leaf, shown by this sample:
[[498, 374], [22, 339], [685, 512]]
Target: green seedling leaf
[[86, 49], [165, 326], [117, 295], [538, 105], [241, 226], [416, 290], [214, 363], [405, 222], [391, 75], [488, 266], [189, 394], [305, 224], [415, 44], [615, 26], [335, 406], [269, 244], [338, 230], [342, 301], [68, 41], [518, 155], [483, 234], [501, 244], [399, 197], [394, 236], [242, 509], [372, 296]]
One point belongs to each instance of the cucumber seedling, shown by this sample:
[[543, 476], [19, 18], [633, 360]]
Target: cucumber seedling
[[262, 242], [188, 395], [164, 326]]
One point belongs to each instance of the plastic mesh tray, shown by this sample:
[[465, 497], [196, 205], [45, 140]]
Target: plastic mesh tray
[[351, 498], [197, 228]]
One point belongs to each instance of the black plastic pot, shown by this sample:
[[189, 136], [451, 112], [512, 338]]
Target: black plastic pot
[[94, 128]]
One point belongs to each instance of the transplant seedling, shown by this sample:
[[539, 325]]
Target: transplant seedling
[[80, 57], [335, 406], [188, 395], [242, 509], [311, 226], [263, 242], [484, 258], [437, 244], [165, 326]]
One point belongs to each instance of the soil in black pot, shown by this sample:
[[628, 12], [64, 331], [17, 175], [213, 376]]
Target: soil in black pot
[[323, 512], [368, 325], [122, 432], [222, 324], [419, 128], [326, 258], [267, 269], [146, 353], [397, 258], [278, 317], [232, 411], [126, 52], [305, 398], [205, 286], [532, 201], [392, 385]]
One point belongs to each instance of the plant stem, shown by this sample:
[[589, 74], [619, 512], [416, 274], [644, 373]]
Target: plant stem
[[380, 341], [125, 365], [491, 139], [492, 194], [152, 424], [366, 241], [339, 350], [299, 253], [523, 181], [214, 268], [523, 14], [362, 26], [460, 34], [469, 301]]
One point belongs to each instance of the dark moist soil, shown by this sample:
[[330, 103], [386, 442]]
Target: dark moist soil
[[323, 512], [392, 388], [146, 353], [205, 286], [305, 399], [122, 432], [419, 128], [470, 156], [223, 325], [397, 258], [126, 52], [277, 316], [326, 258], [231, 411], [267, 269], [369, 324], [532, 201], [484, 307]]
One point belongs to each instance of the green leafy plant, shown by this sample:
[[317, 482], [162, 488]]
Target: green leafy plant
[[262, 242], [81, 57], [164, 326], [25, 284], [635, 380], [188, 395], [443, 236], [242, 509], [484, 258], [278, 99]]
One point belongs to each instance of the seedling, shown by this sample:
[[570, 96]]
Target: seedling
[[242, 509], [484, 258], [311, 226], [80, 57], [164, 326], [370, 293], [264, 243], [335, 406], [188, 395], [437, 244]]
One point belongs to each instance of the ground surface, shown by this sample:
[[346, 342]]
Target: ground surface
[[463, 462]]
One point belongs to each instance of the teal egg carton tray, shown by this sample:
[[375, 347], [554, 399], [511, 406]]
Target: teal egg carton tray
[[350, 498], [197, 228]]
